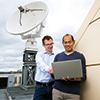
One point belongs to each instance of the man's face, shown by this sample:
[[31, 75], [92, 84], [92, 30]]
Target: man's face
[[68, 44], [48, 45]]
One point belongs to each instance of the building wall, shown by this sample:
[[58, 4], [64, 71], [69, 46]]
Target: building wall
[[88, 43], [6, 80]]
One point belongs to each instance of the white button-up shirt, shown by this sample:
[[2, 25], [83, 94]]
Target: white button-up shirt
[[43, 61]]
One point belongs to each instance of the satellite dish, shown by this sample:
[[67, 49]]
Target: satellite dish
[[27, 18], [30, 17]]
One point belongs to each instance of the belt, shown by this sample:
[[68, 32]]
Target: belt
[[45, 84]]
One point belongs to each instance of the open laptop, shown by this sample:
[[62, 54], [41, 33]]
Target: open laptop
[[71, 68]]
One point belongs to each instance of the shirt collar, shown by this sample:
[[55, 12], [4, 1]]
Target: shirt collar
[[47, 53], [69, 53]]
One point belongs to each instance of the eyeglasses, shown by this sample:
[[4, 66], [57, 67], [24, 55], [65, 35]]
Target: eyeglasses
[[49, 44]]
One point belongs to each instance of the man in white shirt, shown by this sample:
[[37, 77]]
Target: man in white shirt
[[43, 77]]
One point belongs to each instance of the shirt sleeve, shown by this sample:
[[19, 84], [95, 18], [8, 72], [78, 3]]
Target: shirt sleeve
[[83, 68], [40, 63]]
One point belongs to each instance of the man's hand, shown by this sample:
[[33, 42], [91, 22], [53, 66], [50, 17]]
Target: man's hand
[[50, 70], [71, 79]]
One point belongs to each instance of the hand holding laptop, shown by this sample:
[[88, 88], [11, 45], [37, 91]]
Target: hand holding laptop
[[71, 79]]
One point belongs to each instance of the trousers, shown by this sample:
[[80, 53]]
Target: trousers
[[43, 92], [58, 95]]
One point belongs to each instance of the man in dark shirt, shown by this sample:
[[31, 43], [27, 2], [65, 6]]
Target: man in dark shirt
[[68, 89]]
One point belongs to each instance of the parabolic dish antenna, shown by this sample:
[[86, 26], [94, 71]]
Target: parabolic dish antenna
[[30, 17], [27, 18]]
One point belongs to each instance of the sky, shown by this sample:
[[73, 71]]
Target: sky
[[65, 16]]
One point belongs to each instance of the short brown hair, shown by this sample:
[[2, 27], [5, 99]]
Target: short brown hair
[[47, 37]]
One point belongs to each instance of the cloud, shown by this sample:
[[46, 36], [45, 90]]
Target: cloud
[[65, 16]]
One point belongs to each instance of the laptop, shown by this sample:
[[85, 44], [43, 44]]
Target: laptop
[[71, 68]]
